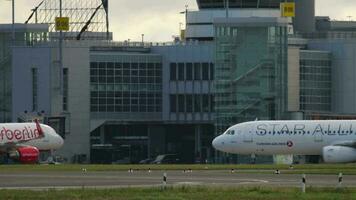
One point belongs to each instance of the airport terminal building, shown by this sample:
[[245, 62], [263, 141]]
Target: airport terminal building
[[122, 102]]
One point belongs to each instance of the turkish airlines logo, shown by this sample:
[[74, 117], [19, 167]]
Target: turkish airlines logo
[[27, 133], [290, 144]]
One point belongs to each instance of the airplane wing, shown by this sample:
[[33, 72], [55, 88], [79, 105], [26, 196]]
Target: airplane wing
[[347, 143], [11, 146]]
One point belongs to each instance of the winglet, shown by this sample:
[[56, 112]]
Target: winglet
[[39, 129]]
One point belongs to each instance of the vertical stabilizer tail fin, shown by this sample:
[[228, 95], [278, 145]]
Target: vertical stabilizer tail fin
[[39, 129]]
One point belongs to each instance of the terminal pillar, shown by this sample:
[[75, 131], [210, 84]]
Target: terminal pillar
[[148, 142], [157, 140], [198, 142], [102, 134]]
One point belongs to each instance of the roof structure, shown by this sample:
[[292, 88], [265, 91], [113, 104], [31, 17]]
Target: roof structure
[[206, 4], [84, 15]]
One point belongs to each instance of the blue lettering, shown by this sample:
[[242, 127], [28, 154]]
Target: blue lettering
[[285, 129], [318, 129], [261, 129], [299, 128]]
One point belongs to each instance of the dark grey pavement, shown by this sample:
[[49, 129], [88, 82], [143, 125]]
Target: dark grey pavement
[[115, 179]]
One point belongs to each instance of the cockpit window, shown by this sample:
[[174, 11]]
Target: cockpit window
[[230, 132]]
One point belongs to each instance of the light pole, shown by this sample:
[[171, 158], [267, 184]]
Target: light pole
[[13, 21], [3, 65], [60, 51], [142, 35], [186, 13], [227, 8]]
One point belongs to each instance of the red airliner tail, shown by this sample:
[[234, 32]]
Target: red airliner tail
[[39, 129]]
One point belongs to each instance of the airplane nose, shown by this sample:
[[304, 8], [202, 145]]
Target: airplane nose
[[217, 143], [60, 141], [214, 143]]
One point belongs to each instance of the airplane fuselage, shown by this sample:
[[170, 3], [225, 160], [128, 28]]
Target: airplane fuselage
[[27, 134], [285, 137]]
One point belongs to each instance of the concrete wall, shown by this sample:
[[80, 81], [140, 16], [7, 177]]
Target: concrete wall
[[293, 79], [45, 59], [191, 53], [77, 141], [24, 59]]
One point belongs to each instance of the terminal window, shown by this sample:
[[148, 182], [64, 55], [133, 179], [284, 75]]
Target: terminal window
[[191, 103], [126, 87], [191, 71], [315, 82], [34, 89]]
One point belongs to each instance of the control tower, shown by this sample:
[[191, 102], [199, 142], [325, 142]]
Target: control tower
[[200, 23]]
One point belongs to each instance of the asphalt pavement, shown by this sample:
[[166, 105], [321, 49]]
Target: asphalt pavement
[[117, 179]]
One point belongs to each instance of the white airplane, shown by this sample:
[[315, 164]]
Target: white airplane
[[23, 141], [335, 140]]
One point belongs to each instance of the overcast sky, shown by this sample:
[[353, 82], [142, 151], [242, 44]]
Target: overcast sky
[[159, 19]]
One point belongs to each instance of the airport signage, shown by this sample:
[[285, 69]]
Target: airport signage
[[62, 23], [288, 9]]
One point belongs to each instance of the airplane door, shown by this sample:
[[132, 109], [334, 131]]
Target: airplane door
[[318, 137], [247, 136]]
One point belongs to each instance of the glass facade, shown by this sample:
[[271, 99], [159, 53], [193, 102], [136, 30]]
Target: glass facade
[[127, 83], [315, 81], [191, 103], [250, 73], [191, 71]]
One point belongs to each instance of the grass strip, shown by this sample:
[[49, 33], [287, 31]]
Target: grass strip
[[182, 193]]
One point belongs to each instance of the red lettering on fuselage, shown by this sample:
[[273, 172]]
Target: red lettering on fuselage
[[2, 133], [26, 133], [22, 134], [18, 134], [9, 134]]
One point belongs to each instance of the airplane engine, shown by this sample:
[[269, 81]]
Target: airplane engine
[[25, 155], [339, 154]]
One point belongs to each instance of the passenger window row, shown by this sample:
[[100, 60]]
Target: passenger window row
[[306, 132]]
